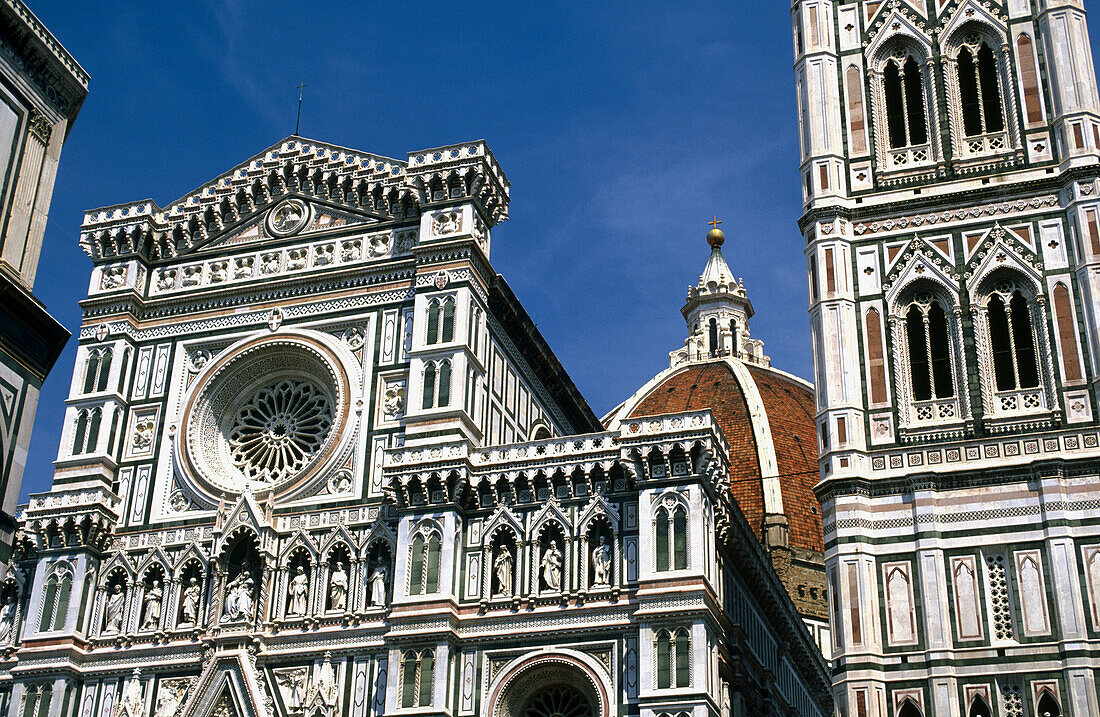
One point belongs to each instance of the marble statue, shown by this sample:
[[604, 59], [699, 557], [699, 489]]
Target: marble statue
[[152, 606], [7, 619], [503, 567], [551, 566], [238, 596], [113, 621], [601, 563], [299, 591], [190, 602], [378, 587], [338, 587]]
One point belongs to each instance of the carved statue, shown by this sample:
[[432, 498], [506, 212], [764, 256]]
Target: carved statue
[[393, 401], [190, 602], [293, 680], [7, 619], [551, 566], [378, 587], [169, 697], [152, 606], [601, 563], [503, 567], [238, 595], [113, 621], [338, 587], [299, 590]]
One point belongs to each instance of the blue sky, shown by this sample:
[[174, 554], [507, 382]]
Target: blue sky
[[623, 128]]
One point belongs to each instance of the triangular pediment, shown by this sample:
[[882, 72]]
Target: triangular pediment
[[919, 261], [227, 687], [971, 11], [597, 507], [254, 229], [344, 186], [246, 515], [503, 516], [900, 22], [1003, 250], [552, 511]]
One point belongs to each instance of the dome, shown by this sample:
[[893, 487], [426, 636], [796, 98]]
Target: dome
[[767, 417]]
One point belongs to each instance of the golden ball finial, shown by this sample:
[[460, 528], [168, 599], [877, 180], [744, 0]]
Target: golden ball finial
[[715, 237]]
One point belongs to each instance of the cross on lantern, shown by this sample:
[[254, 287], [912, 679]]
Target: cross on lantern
[[715, 222]]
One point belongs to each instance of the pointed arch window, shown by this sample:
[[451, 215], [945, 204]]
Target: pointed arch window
[[441, 321], [424, 564], [930, 360], [979, 88], [673, 652], [417, 671], [86, 432], [713, 324], [97, 370], [903, 91], [670, 533], [979, 708], [55, 602], [437, 384], [36, 701], [1012, 344], [1048, 705], [909, 709]]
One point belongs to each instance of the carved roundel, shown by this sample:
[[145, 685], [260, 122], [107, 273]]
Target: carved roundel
[[288, 217], [271, 413]]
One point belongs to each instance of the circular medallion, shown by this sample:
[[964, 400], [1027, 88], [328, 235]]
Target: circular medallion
[[288, 217], [268, 414]]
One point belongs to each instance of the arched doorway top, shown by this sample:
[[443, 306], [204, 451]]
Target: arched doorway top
[[527, 677]]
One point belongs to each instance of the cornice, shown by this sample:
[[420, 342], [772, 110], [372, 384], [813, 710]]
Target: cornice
[[936, 203], [39, 55]]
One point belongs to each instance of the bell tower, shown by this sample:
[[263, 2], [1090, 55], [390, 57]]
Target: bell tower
[[950, 158]]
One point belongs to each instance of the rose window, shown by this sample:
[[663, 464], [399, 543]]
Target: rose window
[[270, 413], [558, 701], [279, 430]]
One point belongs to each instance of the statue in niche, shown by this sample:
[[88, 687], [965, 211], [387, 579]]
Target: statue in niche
[[152, 606], [7, 618], [299, 590], [378, 587], [190, 602], [601, 563], [239, 595], [551, 566], [503, 567], [115, 600], [338, 587]]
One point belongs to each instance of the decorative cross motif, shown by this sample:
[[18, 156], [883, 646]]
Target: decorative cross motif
[[715, 222]]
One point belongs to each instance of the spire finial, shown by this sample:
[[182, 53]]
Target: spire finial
[[715, 237]]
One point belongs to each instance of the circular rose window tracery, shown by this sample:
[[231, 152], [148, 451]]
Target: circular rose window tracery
[[276, 432], [558, 701]]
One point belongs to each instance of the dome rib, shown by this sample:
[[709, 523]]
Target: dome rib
[[768, 421]]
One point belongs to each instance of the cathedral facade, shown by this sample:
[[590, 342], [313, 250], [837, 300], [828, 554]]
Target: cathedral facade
[[950, 156], [317, 460]]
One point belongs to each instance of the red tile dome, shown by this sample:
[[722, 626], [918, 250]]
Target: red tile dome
[[767, 417]]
